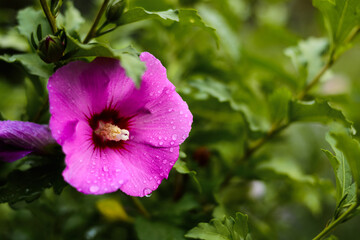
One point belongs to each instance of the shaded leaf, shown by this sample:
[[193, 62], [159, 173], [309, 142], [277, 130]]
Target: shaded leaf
[[28, 185], [151, 230], [279, 104], [181, 167], [32, 63]]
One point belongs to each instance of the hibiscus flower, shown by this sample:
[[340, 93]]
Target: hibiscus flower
[[114, 135]]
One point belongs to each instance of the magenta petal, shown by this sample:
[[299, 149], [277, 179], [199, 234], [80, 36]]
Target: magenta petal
[[91, 101], [137, 171], [130, 100], [75, 92], [17, 139], [166, 123], [90, 170], [147, 166]]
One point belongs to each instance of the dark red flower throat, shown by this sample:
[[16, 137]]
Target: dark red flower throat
[[113, 117]]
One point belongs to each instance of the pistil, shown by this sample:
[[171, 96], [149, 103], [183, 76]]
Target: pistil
[[111, 132]]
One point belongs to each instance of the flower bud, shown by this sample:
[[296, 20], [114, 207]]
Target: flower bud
[[51, 49], [115, 10]]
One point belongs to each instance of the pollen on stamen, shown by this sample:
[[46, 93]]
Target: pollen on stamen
[[111, 132]]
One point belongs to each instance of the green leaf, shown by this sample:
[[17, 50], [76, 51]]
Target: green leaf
[[279, 105], [72, 18], [214, 88], [129, 57], [29, 19], [284, 168], [139, 14], [152, 230], [345, 189], [32, 63], [181, 167], [316, 111], [341, 17], [183, 16], [350, 148], [308, 57], [226, 229], [28, 185]]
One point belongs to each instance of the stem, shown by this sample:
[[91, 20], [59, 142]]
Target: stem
[[329, 228], [92, 30], [49, 16], [141, 207], [259, 143], [318, 76], [277, 129]]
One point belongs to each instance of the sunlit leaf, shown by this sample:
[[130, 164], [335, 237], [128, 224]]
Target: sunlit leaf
[[316, 111], [184, 16], [29, 19], [129, 58], [225, 229], [308, 57], [341, 17]]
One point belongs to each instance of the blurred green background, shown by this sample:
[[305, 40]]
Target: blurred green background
[[287, 188]]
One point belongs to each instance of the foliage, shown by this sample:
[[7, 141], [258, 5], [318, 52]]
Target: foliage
[[274, 147]]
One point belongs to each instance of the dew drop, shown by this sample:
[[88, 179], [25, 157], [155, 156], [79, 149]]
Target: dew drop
[[121, 182], [161, 143], [171, 143], [94, 188], [174, 137], [171, 149], [147, 192], [105, 168], [165, 161], [158, 181], [181, 112]]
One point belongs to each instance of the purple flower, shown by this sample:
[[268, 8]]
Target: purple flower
[[18, 139], [114, 135]]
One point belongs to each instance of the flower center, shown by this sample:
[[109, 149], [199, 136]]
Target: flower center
[[111, 132]]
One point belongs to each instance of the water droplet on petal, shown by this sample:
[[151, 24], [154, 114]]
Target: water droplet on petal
[[121, 182], [158, 181], [171, 149], [165, 161], [94, 188], [105, 168], [174, 137], [161, 143], [147, 192]]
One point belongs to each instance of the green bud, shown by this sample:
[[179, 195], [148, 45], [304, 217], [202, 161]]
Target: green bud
[[115, 10], [51, 49]]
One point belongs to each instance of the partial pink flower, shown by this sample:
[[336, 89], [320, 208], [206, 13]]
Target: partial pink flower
[[18, 139], [114, 135]]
